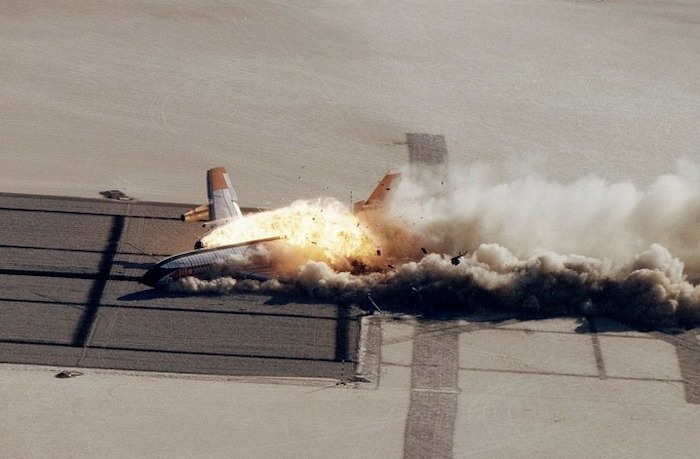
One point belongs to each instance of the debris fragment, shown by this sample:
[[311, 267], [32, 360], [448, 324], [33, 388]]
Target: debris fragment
[[68, 374], [458, 259], [117, 195], [369, 297]]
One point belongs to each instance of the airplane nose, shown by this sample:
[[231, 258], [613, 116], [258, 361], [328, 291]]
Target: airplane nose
[[151, 277], [155, 276]]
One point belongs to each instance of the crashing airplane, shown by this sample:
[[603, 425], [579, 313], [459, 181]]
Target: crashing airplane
[[210, 263], [221, 209], [378, 197]]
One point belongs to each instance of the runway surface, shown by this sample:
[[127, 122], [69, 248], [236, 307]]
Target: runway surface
[[476, 385], [70, 297]]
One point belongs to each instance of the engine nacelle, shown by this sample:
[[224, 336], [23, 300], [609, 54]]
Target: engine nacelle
[[198, 214]]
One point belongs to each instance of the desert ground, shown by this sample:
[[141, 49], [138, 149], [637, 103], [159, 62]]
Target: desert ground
[[302, 99]]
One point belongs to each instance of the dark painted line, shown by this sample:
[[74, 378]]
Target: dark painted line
[[62, 249], [95, 200], [40, 273], [567, 375], [67, 275], [87, 322], [84, 213], [597, 352], [178, 310], [47, 301], [555, 332], [231, 313], [108, 202], [687, 347], [35, 342], [216, 354], [167, 351], [123, 278], [342, 351], [57, 249]]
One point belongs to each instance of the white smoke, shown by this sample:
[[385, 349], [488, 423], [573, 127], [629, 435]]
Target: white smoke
[[529, 214], [586, 247]]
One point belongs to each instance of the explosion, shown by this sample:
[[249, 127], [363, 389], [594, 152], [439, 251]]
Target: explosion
[[534, 245], [316, 230]]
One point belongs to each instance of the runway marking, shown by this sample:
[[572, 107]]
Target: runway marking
[[434, 389], [600, 363], [439, 390], [67, 275], [57, 249], [84, 213], [568, 375], [65, 250], [426, 149], [688, 353], [74, 293], [369, 351], [342, 351]]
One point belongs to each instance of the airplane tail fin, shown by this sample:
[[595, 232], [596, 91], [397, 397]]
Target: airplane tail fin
[[222, 206], [380, 194]]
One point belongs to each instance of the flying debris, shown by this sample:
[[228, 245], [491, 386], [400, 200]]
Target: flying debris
[[531, 245], [457, 259], [116, 195], [68, 374], [380, 194], [369, 297]]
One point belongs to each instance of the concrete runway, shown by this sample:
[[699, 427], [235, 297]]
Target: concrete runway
[[68, 275], [487, 386], [478, 387]]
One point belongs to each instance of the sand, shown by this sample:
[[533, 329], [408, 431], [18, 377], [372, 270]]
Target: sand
[[305, 98]]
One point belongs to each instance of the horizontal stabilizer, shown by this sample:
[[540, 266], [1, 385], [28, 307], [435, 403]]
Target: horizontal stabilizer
[[198, 214]]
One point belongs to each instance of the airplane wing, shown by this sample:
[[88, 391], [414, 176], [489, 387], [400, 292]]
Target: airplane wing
[[222, 206], [379, 195]]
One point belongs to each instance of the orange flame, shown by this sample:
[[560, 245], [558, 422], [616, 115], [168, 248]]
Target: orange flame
[[320, 230]]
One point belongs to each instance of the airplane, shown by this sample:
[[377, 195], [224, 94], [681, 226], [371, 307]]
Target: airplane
[[379, 196], [221, 209], [207, 263]]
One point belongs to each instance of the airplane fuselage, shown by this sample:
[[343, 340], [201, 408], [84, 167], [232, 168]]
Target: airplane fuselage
[[237, 260], [209, 263]]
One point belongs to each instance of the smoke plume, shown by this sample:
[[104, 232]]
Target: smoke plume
[[470, 240]]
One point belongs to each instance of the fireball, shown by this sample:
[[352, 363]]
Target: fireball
[[319, 230]]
